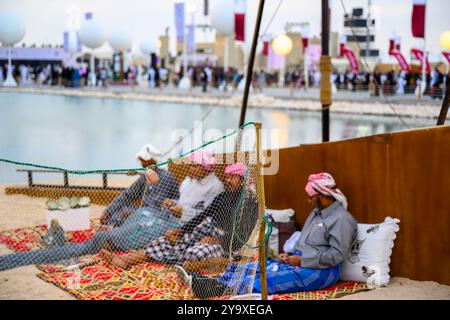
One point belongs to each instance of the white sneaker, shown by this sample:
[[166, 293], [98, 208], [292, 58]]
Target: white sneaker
[[184, 277]]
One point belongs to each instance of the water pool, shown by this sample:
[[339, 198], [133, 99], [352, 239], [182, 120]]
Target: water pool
[[91, 133]]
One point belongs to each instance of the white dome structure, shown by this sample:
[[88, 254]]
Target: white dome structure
[[92, 34], [222, 16], [12, 28], [120, 39]]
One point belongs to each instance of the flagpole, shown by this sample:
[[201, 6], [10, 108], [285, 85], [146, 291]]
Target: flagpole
[[325, 70], [424, 57], [251, 61]]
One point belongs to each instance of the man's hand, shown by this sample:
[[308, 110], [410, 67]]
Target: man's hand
[[209, 240], [104, 227], [294, 260], [126, 214], [104, 217], [176, 211], [151, 177], [167, 203], [173, 234], [282, 256]]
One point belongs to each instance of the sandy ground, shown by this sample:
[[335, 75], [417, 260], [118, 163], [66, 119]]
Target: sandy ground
[[20, 211]]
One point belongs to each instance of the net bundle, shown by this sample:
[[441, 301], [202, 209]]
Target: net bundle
[[197, 216]]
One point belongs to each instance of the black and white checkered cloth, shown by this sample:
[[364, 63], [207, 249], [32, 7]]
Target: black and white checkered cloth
[[188, 247]]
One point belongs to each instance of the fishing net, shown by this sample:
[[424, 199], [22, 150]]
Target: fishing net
[[200, 214]]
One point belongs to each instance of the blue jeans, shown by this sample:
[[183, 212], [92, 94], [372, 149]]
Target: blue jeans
[[136, 232]]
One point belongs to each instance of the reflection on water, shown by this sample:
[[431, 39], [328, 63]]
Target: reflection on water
[[89, 133]]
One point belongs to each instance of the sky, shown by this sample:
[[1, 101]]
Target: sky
[[147, 19]]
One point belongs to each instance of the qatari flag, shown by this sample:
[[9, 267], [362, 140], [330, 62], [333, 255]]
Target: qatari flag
[[446, 54], [351, 57], [305, 38], [266, 44], [400, 59], [391, 45], [240, 7], [419, 56], [418, 18], [342, 42], [398, 41]]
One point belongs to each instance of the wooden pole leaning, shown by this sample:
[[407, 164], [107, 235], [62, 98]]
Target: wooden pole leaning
[[261, 211]]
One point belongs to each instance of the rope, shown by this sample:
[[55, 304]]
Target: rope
[[269, 225]]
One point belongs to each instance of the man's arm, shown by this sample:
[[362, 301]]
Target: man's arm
[[215, 206], [170, 189], [342, 235], [132, 193]]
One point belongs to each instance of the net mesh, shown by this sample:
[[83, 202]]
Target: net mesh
[[200, 214]]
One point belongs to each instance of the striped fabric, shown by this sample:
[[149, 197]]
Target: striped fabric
[[281, 278]]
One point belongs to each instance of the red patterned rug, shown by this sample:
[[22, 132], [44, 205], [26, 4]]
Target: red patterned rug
[[30, 238], [89, 278]]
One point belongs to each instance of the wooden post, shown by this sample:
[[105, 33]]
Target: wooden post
[[30, 178], [261, 211], [105, 180], [325, 70], [444, 107], [66, 179]]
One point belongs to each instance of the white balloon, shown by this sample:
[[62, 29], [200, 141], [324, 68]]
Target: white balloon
[[147, 46], [12, 28], [120, 39], [222, 16], [92, 34]]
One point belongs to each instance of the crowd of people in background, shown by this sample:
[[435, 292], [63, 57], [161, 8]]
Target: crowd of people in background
[[208, 77]]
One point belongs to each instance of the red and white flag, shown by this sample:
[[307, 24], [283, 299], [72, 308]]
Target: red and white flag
[[400, 59], [446, 55], [391, 45], [305, 39], [351, 57], [419, 56], [342, 41], [397, 42], [418, 18], [266, 43], [240, 8]]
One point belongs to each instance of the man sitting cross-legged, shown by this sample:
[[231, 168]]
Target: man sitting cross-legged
[[324, 244], [211, 234]]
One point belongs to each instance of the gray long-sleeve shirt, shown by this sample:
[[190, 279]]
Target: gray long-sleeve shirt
[[327, 237], [151, 196]]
